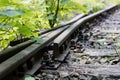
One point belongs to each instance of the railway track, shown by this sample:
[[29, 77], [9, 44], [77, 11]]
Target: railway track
[[22, 58], [84, 49]]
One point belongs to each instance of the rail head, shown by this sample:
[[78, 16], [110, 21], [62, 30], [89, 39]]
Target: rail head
[[15, 49], [61, 38], [66, 23], [68, 32]]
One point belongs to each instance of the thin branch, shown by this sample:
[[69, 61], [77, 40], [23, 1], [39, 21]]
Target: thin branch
[[50, 21], [56, 12]]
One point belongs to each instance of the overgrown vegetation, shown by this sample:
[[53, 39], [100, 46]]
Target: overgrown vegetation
[[21, 18]]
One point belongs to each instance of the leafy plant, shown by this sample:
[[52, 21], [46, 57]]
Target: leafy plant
[[23, 18], [37, 40], [109, 58], [29, 78]]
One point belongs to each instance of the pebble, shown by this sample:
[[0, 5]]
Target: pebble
[[76, 57]]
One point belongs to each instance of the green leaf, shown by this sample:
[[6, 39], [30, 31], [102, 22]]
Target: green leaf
[[6, 36], [49, 16], [5, 26], [37, 40], [101, 41], [109, 58], [42, 1], [117, 44], [4, 43], [2, 32], [63, 2], [29, 78], [11, 13], [24, 30], [4, 2], [35, 34], [11, 37]]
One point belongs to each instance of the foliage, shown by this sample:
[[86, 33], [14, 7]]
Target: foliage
[[92, 5], [29, 78], [37, 40], [111, 1], [21, 18], [117, 45]]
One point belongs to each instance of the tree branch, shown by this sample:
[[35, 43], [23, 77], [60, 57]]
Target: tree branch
[[56, 12]]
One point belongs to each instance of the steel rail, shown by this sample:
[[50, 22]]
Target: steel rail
[[13, 43], [4, 55], [73, 20], [12, 51], [21, 57], [58, 42]]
